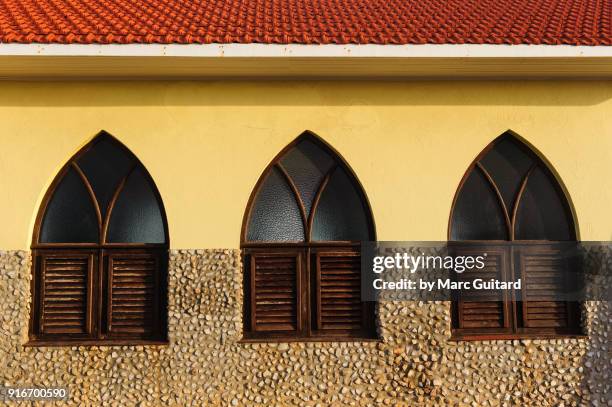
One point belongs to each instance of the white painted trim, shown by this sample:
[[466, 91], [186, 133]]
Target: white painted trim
[[306, 51], [275, 61]]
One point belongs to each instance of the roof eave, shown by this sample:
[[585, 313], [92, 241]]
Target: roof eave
[[296, 61]]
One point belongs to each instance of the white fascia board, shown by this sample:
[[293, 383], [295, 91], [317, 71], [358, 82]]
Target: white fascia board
[[307, 51], [294, 61]]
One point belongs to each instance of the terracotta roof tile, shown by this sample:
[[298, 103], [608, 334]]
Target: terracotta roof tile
[[575, 22]]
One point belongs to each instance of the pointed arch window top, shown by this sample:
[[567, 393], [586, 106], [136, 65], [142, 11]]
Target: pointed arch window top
[[509, 193], [102, 195], [508, 163], [308, 194], [307, 164], [105, 165]]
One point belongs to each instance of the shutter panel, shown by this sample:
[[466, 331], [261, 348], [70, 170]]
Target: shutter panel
[[134, 294], [338, 306], [275, 291], [65, 293], [485, 311], [545, 275]]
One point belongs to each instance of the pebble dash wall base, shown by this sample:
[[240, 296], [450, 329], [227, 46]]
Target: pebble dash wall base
[[414, 364]]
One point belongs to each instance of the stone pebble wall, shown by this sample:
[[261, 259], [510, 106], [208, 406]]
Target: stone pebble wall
[[205, 365]]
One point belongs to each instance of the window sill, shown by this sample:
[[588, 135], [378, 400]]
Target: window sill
[[98, 343], [304, 340], [505, 337]]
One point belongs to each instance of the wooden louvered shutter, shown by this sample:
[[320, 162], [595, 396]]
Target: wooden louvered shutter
[[546, 278], [485, 311], [134, 294], [338, 307], [65, 293], [275, 291]]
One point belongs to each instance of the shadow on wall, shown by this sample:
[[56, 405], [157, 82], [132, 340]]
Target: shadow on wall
[[315, 93]]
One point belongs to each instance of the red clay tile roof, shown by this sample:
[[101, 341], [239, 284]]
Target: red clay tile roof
[[576, 22]]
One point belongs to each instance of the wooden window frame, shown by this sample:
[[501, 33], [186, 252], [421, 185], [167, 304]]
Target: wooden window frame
[[308, 298], [99, 302], [511, 305]]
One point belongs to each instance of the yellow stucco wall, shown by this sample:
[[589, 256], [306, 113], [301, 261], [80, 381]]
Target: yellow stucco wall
[[206, 144]]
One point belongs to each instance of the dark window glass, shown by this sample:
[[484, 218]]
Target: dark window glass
[[542, 214], [276, 215], [340, 214], [508, 162], [307, 164], [136, 216], [105, 165], [70, 216], [478, 214]]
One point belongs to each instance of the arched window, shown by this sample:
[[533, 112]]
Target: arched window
[[301, 242], [100, 252], [510, 203]]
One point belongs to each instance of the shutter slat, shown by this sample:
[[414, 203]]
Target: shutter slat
[[263, 326], [332, 308], [342, 314], [133, 291], [58, 285], [481, 311], [548, 323], [350, 282], [280, 306], [480, 305], [65, 294], [481, 324], [274, 304]]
